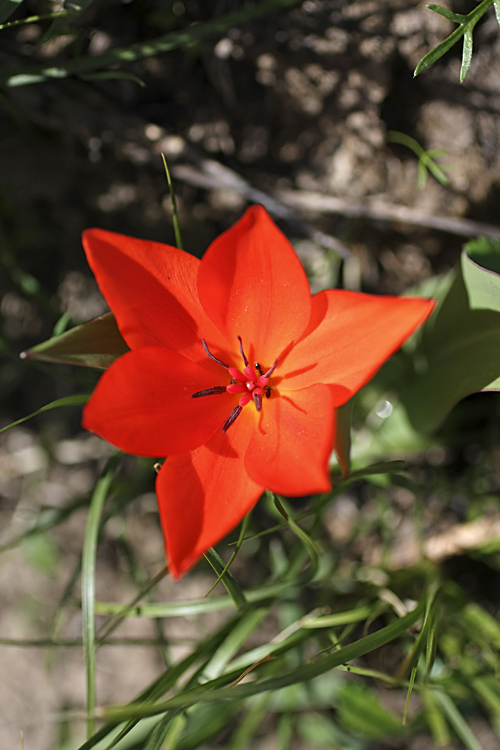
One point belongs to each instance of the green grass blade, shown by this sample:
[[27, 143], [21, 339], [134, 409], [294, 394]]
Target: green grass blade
[[31, 19], [175, 215], [435, 719], [456, 720], [88, 586], [233, 643], [312, 548], [222, 689], [141, 50], [76, 400], [227, 579]]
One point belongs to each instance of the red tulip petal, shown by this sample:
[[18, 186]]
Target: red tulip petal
[[151, 288], [204, 494], [251, 284], [289, 451], [349, 338], [143, 405]]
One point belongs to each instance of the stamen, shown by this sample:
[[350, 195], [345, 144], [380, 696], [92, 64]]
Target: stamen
[[271, 369], [210, 391], [209, 353], [257, 398], [243, 356], [231, 418]]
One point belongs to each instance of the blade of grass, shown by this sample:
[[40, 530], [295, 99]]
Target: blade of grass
[[76, 400], [31, 19], [141, 50], [456, 720], [88, 585], [175, 215], [216, 691], [167, 681], [312, 548], [241, 539], [235, 640], [233, 588]]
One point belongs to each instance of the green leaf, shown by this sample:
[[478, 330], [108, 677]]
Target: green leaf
[[343, 437], [143, 49], [446, 13], [111, 75], [441, 49], [481, 272], [219, 690], [496, 5], [465, 28], [457, 721], [88, 586], [435, 719], [77, 400], [227, 579], [459, 354], [360, 710], [466, 55], [175, 215], [97, 343], [233, 643], [7, 8]]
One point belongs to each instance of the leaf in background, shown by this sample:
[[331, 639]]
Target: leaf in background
[[343, 437], [7, 8], [465, 29], [496, 4], [111, 75], [360, 710], [94, 344], [140, 50], [460, 351], [481, 272], [76, 400]]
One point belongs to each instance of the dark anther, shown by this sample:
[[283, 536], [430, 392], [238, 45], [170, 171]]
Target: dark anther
[[210, 391], [231, 418], [257, 401], [258, 367], [209, 353], [243, 356]]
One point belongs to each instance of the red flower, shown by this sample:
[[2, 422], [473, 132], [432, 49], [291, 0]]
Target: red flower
[[234, 371]]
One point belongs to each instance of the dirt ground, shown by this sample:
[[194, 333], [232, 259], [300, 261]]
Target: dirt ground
[[293, 111]]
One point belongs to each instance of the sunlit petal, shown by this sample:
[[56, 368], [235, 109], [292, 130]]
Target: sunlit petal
[[143, 404], [151, 289], [352, 335], [204, 494], [289, 451], [251, 284]]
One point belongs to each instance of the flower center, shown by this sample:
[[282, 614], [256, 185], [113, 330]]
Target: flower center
[[252, 383]]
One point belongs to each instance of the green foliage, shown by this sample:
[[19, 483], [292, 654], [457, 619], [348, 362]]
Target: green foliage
[[91, 64], [466, 24], [94, 344], [459, 352], [426, 161]]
